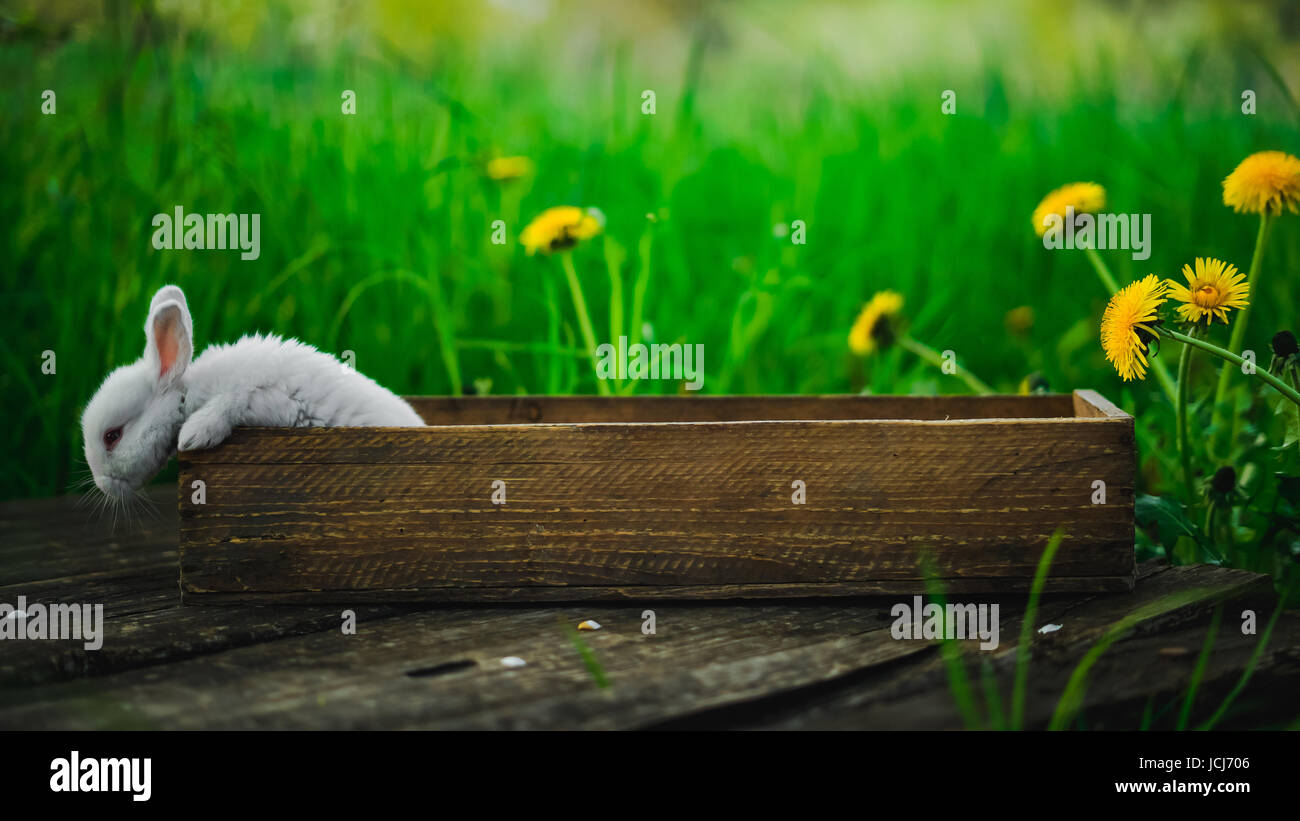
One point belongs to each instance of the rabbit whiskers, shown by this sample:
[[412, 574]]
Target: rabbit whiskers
[[131, 510]]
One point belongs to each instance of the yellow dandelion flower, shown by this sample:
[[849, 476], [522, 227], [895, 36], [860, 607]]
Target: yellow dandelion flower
[[1019, 321], [1033, 384], [872, 328], [1264, 183], [1126, 325], [561, 227], [509, 168], [1212, 289], [1085, 197]]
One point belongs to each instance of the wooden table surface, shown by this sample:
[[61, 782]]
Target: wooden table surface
[[794, 664]]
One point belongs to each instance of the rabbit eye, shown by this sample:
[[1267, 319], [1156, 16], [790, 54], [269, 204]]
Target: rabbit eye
[[111, 436]]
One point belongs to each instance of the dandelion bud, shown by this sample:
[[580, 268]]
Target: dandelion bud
[[1286, 361], [1224, 482], [1284, 344], [883, 333], [876, 327], [1020, 321], [1034, 383]]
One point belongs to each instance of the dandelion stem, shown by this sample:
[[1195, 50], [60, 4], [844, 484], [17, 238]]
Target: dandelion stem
[[1108, 282], [1184, 449], [584, 319], [644, 248], [1238, 336], [639, 290], [1277, 384], [932, 356], [614, 264], [1103, 271]]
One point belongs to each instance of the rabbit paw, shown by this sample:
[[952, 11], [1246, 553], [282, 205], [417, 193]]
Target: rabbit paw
[[204, 430]]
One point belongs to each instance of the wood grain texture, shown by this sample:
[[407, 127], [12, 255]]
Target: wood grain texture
[[668, 508], [506, 410], [1155, 661], [711, 665], [1090, 404], [998, 585], [796, 663]]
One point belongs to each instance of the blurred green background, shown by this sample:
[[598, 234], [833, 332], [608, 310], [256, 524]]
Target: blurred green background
[[376, 227]]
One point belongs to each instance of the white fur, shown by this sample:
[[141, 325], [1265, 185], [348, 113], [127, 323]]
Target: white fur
[[258, 380]]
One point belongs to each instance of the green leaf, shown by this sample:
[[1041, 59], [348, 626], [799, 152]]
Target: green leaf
[[1165, 521], [1290, 412]]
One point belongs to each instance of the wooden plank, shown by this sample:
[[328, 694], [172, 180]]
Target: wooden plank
[[1134, 670], [1145, 672], [328, 680], [163, 636], [505, 410], [703, 663], [1090, 404], [509, 444], [667, 504], [64, 537], [55, 551], [657, 593]]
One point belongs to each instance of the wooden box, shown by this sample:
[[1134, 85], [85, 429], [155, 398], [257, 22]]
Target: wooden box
[[666, 497]]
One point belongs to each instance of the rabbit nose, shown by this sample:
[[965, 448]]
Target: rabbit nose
[[110, 485]]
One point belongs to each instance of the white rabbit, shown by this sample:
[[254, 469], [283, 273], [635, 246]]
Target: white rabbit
[[143, 411]]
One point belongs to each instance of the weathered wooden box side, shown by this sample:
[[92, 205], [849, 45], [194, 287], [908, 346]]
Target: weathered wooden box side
[[665, 498]]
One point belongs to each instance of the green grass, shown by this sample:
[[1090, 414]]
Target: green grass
[[1027, 627], [588, 657], [1070, 705], [1069, 710], [376, 227]]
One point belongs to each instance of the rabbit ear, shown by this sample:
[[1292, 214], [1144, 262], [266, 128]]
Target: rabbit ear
[[168, 293], [169, 336]]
